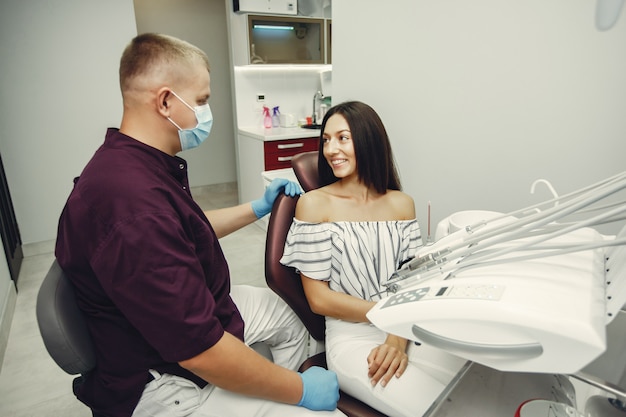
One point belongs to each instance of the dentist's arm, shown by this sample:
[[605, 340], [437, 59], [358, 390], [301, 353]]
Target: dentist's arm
[[228, 220], [233, 366]]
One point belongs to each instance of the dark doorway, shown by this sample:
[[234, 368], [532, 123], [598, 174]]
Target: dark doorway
[[8, 228]]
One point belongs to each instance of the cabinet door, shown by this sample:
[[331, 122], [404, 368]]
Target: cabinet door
[[289, 7], [329, 41], [278, 154], [285, 40]]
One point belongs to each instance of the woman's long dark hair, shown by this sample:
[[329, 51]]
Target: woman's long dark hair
[[375, 164]]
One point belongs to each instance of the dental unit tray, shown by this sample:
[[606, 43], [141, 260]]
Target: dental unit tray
[[526, 291]]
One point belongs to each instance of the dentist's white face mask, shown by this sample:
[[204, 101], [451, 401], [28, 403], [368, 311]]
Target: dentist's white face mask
[[192, 138]]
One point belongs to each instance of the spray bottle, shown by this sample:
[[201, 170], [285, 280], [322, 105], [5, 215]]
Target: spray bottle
[[276, 117], [267, 119]]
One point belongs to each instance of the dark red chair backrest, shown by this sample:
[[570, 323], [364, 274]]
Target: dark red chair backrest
[[285, 281], [305, 167]]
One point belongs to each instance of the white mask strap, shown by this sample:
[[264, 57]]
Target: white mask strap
[[184, 102]]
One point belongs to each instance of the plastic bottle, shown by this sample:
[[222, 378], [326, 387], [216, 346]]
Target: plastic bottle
[[267, 119], [276, 117], [323, 110]]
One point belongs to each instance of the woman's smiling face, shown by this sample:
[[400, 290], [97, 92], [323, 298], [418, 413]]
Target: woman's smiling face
[[338, 147]]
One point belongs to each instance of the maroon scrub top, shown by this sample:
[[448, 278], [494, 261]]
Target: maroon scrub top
[[148, 269]]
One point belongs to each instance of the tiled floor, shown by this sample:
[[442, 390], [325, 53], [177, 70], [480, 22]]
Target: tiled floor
[[31, 384]]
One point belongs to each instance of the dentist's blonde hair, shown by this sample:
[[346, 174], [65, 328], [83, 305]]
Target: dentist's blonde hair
[[152, 59]]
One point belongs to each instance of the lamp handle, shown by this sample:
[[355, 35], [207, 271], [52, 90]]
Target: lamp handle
[[504, 351]]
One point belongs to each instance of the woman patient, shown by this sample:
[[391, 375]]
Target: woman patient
[[346, 240]]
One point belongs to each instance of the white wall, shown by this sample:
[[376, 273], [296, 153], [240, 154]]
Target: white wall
[[290, 87], [60, 92], [203, 23], [58, 78], [59, 83], [482, 97]]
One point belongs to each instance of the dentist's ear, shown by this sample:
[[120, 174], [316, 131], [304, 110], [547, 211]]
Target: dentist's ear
[[162, 104]]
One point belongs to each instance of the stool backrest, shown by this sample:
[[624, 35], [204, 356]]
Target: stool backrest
[[62, 325]]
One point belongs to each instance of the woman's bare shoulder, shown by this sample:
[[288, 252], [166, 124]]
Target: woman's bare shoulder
[[402, 203], [313, 206], [400, 197]]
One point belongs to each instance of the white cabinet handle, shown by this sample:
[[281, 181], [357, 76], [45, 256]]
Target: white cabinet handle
[[284, 158], [291, 145]]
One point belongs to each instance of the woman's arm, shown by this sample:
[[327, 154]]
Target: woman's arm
[[327, 302], [388, 359], [384, 361]]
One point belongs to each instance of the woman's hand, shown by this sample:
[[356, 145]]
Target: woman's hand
[[387, 360]]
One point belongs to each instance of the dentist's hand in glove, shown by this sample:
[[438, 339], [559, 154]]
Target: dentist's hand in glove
[[263, 205], [320, 389]]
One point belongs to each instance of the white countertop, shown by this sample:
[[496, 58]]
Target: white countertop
[[287, 173], [278, 133]]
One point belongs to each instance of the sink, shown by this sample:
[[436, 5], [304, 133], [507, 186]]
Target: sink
[[313, 126]]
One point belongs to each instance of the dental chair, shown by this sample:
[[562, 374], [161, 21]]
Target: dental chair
[[286, 282], [63, 327]]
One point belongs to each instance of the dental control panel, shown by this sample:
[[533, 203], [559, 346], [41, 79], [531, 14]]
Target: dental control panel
[[471, 291]]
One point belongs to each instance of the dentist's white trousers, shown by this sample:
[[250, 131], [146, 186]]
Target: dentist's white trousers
[[267, 319]]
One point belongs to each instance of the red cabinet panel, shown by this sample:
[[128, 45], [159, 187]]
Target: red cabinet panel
[[278, 153]]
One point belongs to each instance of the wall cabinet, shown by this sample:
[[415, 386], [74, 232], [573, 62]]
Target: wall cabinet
[[286, 40], [266, 6], [307, 43]]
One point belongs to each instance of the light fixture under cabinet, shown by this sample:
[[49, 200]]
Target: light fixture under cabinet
[[273, 27]]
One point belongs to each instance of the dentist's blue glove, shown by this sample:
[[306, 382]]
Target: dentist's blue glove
[[320, 389], [263, 205]]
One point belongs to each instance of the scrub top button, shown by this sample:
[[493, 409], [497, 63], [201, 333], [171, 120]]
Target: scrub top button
[[182, 166]]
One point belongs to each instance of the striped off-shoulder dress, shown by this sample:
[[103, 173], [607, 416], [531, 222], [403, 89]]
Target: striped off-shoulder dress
[[357, 258]]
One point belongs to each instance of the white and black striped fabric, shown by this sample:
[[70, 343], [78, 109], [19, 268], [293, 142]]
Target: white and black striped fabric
[[357, 258]]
